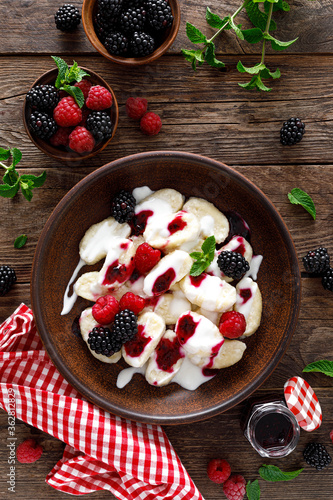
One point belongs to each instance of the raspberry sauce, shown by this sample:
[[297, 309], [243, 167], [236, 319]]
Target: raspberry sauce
[[273, 430], [163, 282], [246, 294], [139, 222], [177, 224], [238, 226], [167, 354], [186, 328], [117, 272], [197, 280], [241, 247], [135, 347]]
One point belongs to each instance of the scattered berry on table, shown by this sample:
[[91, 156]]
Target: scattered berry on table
[[125, 325], [99, 124], [136, 107], [122, 206], [131, 20], [327, 279], [331, 435], [67, 18], [159, 14], [42, 125], [146, 257], [28, 451], [150, 123], [67, 113], [142, 44], [232, 324], [61, 137], [232, 264], [316, 455], [316, 261], [110, 8], [102, 341], [133, 302], [234, 487], [7, 279], [218, 470], [85, 86], [292, 132], [116, 43], [105, 309], [99, 98], [43, 97], [81, 140]]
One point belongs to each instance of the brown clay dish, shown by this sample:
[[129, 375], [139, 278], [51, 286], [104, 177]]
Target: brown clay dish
[[89, 8], [89, 202], [70, 156]]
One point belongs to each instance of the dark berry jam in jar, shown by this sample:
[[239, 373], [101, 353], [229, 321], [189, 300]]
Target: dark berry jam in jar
[[270, 426]]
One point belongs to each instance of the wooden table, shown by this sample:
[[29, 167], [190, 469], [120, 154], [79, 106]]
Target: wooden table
[[207, 113]]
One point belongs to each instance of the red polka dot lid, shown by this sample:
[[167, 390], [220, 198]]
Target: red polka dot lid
[[303, 403]]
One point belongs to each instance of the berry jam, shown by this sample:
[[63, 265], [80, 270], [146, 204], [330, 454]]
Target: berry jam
[[135, 347], [76, 327], [186, 328], [139, 222], [163, 282], [177, 224], [273, 430], [167, 354], [241, 247], [238, 226], [246, 294], [117, 272], [197, 280]]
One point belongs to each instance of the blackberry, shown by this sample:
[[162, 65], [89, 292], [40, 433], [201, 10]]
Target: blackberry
[[103, 26], [7, 279], [99, 124], [327, 279], [116, 43], [142, 44], [42, 125], [102, 341], [110, 8], [43, 97], [316, 261], [132, 20], [232, 264], [67, 18], [122, 207], [292, 131], [159, 14], [315, 454], [125, 325]]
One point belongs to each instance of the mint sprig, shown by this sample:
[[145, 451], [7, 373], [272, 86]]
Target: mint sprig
[[273, 474], [20, 241], [12, 181], [321, 366], [253, 490], [205, 258], [66, 76], [299, 197]]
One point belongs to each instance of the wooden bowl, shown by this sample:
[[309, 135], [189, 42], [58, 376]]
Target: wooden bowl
[[89, 8], [89, 202], [68, 155]]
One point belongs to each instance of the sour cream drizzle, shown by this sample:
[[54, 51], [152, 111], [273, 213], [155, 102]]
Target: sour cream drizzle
[[69, 300]]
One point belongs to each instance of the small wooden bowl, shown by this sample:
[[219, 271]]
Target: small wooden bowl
[[59, 154], [89, 8]]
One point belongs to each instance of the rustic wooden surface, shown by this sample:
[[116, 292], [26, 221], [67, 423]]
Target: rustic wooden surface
[[207, 113]]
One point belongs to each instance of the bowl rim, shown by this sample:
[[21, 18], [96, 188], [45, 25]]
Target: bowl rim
[[87, 8], [133, 414], [69, 156]]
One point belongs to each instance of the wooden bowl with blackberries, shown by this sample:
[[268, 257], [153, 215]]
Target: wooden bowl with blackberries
[[70, 113], [131, 32]]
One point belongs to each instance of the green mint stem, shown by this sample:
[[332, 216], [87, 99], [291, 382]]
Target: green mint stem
[[266, 32], [232, 17], [4, 166]]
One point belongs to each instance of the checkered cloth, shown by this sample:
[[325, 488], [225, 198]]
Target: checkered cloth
[[303, 402], [133, 461]]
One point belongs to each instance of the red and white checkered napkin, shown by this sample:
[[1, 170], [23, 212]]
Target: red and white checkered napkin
[[103, 452], [303, 402]]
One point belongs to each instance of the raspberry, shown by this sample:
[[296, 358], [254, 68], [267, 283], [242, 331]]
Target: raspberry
[[136, 107], [105, 309], [134, 303], [331, 435], [85, 86], [232, 324], [99, 98], [28, 452], [67, 113], [81, 140], [218, 470], [146, 258], [234, 487], [150, 124], [61, 137]]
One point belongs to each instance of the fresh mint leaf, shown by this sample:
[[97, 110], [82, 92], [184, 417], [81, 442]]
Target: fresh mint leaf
[[10, 177], [75, 92], [194, 34], [4, 154], [210, 57], [214, 20], [198, 268], [236, 28], [81, 74], [253, 35], [299, 197], [322, 366], [26, 188], [16, 155], [253, 490], [285, 6], [266, 73], [62, 69], [260, 85], [277, 44], [252, 71], [20, 241], [274, 474], [249, 85], [35, 181], [208, 247], [203, 259], [257, 17], [194, 57], [8, 191]]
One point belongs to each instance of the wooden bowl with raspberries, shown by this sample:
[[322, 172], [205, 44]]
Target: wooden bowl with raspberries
[[70, 113], [132, 33]]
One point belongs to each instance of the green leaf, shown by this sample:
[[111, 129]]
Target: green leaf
[[260, 85], [253, 35], [10, 177], [277, 44], [194, 57], [266, 73], [75, 92], [322, 366], [62, 69], [274, 474], [17, 156], [236, 28], [252, 71], [20, 241], [194, 34], [214, 20], [257, 17], [8, 191], [285, 6], [71, 72], [299, 197], [81, 74], [27, 191], [253, 490], [204, 258], [4, 154], [249, 85], [35, 181], [198, 267], [210, 57]]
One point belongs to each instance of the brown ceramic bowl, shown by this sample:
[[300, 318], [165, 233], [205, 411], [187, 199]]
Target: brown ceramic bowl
[[60, 153], [89, 202], [89, 9]]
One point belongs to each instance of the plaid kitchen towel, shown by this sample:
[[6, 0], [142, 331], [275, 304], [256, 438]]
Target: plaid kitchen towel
[[104, 452]]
